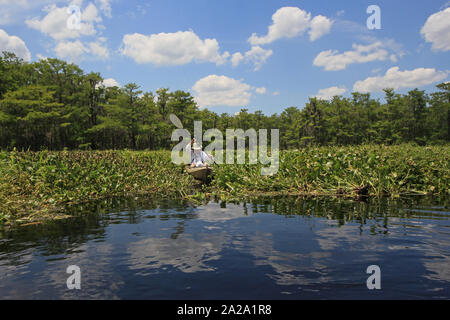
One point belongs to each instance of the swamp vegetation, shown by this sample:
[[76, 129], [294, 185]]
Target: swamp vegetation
[[36, 186], [59, 124]]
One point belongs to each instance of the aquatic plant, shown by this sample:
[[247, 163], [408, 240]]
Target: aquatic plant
[[42, 185], [361, 170]]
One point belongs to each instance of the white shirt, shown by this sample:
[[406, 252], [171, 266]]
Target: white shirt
[[197, 157]]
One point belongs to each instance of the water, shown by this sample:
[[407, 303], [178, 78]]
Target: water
[[284, 248]]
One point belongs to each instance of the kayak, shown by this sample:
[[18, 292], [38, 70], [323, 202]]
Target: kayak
[[201, 174]]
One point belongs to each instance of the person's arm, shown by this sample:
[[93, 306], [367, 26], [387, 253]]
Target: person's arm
[[188, 149], [189, 145]]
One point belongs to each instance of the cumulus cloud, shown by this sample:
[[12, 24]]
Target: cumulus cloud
[[215, 90], [17, 11], [75, 51], [437, 30], [98, 49], [70, 50], [332, 60], [41, 56], [261, 90], [177, 48], [105, 6], [329, 93], [396, 79], [14, 11], [110, 82], [14, 44], [236, 59], [54, 23], [255, 55], [320, 26], [290, 22], [29, 3], [258, 56], [18, 2]]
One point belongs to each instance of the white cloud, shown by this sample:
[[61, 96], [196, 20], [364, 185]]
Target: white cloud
[[320, 26], [258, 56], [70, 50], [332, 60], [75, 51], [396, 79], [105, 6], [41, 56], [14, 44], [236, 59], [177, 48], [216, 90], [290, 22], [16, 11], [110, 82], [16, 2], [54, 23], [33, 3], [261, 90], [437, 30], [99, 50], [329, 93], [377, 70], [276, 93], [255, 55]]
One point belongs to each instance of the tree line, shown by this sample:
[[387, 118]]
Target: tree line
[[52, 104]]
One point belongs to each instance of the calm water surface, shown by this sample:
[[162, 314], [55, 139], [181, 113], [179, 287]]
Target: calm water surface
[[283, 248]]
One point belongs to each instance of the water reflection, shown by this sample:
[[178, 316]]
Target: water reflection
[[268, 248]]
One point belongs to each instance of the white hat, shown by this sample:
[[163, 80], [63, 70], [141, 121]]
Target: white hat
[[196, 146]]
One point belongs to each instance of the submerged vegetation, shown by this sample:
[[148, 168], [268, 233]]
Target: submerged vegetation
[[41, 185]]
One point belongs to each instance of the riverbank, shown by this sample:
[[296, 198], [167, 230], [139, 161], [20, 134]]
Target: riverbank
[[37, 186]]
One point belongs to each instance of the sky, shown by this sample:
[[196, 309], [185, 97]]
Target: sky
[[259, 55]]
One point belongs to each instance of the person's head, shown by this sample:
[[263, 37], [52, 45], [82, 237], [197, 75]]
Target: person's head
[[196, 147]]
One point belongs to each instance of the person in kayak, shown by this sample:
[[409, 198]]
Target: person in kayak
[[199, 158]]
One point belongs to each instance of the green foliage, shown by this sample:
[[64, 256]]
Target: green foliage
[[363, 170], [51, 104], [34, 183], [39, 185], [54, 105]]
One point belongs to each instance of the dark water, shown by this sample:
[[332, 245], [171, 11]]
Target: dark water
[[283, 248]]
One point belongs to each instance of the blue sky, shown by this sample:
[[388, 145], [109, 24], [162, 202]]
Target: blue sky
[[299, 49]]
